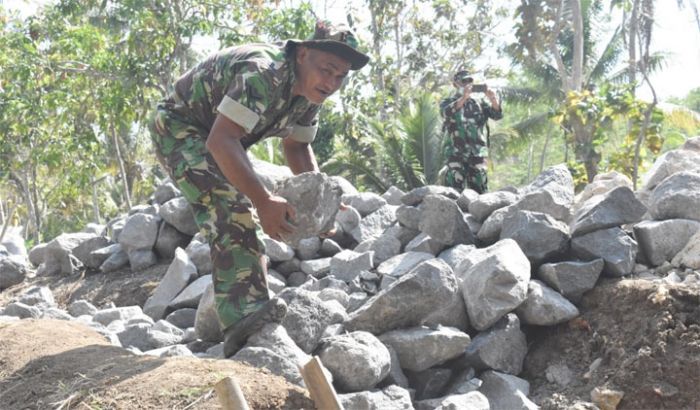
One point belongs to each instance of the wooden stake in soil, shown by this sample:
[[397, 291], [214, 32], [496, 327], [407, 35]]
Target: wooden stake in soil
[[321, 391], [230, 394]]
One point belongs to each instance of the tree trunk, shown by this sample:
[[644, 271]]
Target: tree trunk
[[544, 149], [122, 170], [632, 45], [33, 215], [577, 64], [377, 53]]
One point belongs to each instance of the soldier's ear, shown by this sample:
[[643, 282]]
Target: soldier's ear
[[301, 54]]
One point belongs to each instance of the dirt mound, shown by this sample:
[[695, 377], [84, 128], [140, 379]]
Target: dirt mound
[[58, 364], [646, 336]]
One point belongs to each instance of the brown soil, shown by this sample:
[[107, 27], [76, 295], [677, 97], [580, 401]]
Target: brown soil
[[56, 364], [647, 336]]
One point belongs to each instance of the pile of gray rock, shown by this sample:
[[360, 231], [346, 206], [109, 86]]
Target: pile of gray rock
[[419, 299]]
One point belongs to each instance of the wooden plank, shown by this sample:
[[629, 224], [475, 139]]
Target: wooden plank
[[320, 389], [230, 394]]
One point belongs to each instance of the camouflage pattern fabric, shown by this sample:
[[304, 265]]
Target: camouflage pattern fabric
[[251, 85], [466, 146]]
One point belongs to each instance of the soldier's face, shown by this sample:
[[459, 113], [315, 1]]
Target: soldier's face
[[319, 74]]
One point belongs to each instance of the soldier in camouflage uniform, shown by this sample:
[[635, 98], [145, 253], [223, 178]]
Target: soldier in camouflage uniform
[[201, 132], [466, 146]]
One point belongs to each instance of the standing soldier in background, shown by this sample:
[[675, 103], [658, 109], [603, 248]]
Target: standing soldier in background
[[201, 132], [466, 146]]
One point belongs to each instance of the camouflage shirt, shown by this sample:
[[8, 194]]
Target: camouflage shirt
[[252, 86], [465, 127]]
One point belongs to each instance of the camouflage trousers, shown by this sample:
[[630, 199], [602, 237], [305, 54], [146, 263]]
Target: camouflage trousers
[[225, 216], [468, 172]]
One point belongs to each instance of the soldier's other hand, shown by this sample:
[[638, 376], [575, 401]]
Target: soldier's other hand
[[276, 216], [467, 90], [490, 93]]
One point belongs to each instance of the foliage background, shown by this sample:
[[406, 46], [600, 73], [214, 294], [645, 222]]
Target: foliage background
[[78, 81]]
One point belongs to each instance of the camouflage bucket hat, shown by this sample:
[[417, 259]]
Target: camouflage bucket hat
[[461, 76], [338, 40]]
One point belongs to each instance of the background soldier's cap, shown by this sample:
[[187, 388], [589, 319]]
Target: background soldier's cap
[[336, 39], [461, 76]]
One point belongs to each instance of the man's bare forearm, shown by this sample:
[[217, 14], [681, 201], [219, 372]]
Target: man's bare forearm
[[300, 157]]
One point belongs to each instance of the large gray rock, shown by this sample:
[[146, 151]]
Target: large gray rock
[[416, 195], [420, 348], [669, 164], [408, 301], [689, 256], [58, 254], [677, 197], [501, 347], [140, 231], [179, 274], [442, 220], [364, 202], [170, 239], [190, 296], [84, 251], [206, 323], [539, 236], [374, 224], [545, 307], [357, 360], [274, 336], [613, 245], [660, 241], [316, 199], [12, 272], [348, 264], [401, 264], [307, 317], [262, 357], [571, 278], [615, 208], [270, 174], [472, 400], [390, 398], [496, 285], [483, 206], [601, 184], [505, 391]]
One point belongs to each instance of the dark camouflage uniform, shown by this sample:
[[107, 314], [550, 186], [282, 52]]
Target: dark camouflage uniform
[[251, 85], [466, 146]]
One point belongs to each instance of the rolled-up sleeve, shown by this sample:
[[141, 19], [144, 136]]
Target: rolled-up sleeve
[[306, 127], [247, 97]]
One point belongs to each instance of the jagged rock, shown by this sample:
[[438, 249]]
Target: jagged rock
[[442, 220], [430, 383], [539, 236], [401, 264], [416, 195], [189, 297], [316, 199], [374, 224], [545, 307], [165, 192], [348, 264], [677, 197], [58, 254], [357, 360], [178, 213], [267, 359], [505, 391], [668, 164], [308, 248], [307, 317], [406, 302], [468, 401], [364, 202], [12, 272], [612, 245], [408, 216], [486, 203], [614, 208], [392, 397], [183, 318], [179, 274], [169, 239], [571, 278], [206, 323], [277, 251], [601, 184], [420, 348], [660, 241], [393, 196], [689, 256], [495, 285], [140, 231], [502, 347]]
